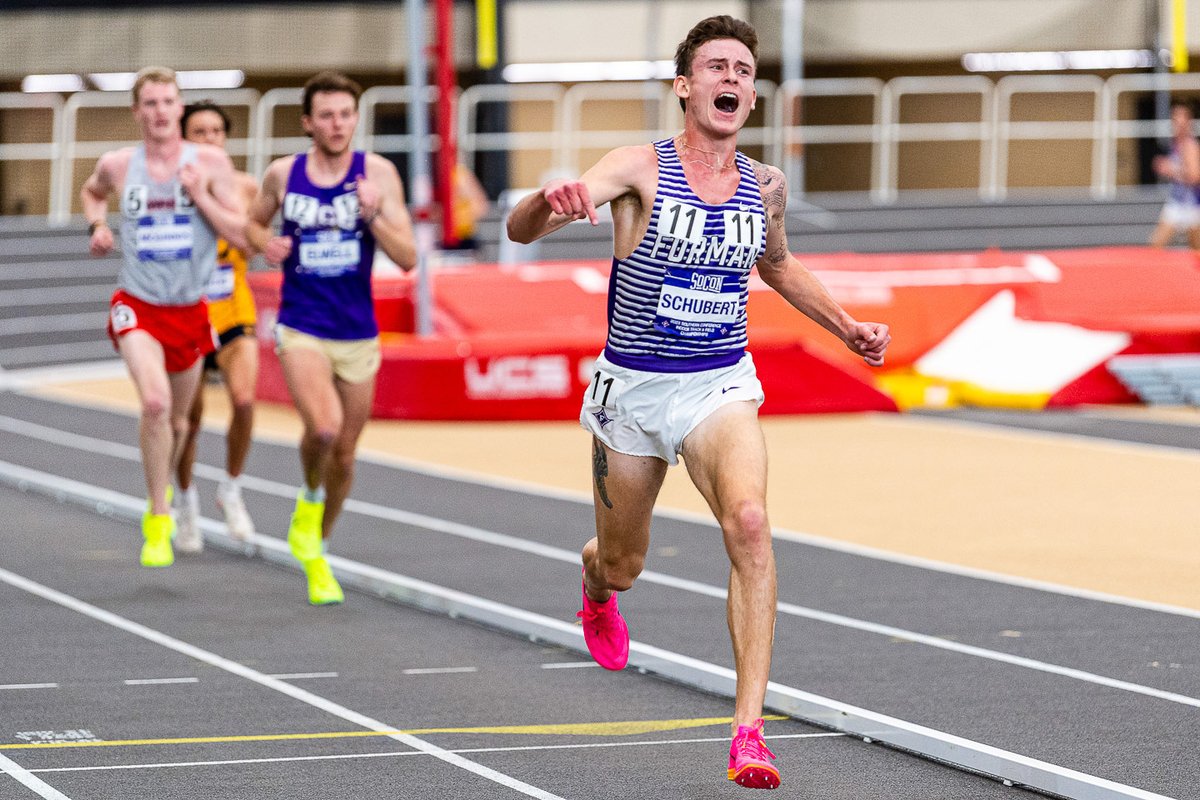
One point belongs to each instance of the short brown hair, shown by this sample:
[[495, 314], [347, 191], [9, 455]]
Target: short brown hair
[[329, 81], [721, 26], [152, 75], [205, 105]]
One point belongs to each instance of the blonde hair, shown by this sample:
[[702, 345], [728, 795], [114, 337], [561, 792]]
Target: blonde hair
[[152, 75]]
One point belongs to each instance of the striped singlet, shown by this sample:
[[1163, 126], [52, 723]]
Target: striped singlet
[[678, 302]]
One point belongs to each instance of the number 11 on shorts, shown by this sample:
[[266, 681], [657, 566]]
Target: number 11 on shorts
[[604, 389]]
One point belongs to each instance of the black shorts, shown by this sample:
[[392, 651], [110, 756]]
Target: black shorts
[[224, 338]]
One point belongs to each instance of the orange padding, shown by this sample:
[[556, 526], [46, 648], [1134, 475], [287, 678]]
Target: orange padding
[[518, 342]]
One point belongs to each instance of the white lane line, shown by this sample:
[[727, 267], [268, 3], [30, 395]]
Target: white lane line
[[701, 675], [350, 756], [572, 557], [158, 681], [29, 686], [782, 534], [29, 780], [102, 369], [570, 665], [67, 351], [438, 670], [241, 670], [300, 676]]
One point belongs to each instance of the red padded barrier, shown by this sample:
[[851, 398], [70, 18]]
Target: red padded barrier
[[517, 343]]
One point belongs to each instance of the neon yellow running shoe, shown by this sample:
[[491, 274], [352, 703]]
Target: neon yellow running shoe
[[157, 530], [304, 534], [323, 588]]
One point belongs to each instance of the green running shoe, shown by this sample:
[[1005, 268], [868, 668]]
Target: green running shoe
[[157, 530], [304, 534], [323, 588]]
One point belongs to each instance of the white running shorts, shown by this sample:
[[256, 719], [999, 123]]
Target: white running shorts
[[650, 413], [1181, 215]]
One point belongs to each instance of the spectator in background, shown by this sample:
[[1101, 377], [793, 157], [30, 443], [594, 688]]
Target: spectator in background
[[1181, 168], [232, 314], [468, 204]]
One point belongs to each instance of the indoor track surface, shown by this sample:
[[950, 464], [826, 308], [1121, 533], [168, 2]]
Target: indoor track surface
[[1013, 593]]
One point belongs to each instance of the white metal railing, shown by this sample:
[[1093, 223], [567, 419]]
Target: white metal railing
[[893, 132], [69, 148], [1046, 130], [789, 137], [471, 141], [39, 151], [985, 118], [1119, 129]]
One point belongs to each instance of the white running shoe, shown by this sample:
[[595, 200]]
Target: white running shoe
[[229, 498], [187, 526]]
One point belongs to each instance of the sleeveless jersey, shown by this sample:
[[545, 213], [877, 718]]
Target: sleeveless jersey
[[678, 302], [1180, 192], [230, 301], [327, 277], [168, 249]]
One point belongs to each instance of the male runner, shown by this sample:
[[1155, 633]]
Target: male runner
[[337, 204], [175, 199], [231, 312], [691, 216], [1181, 169]]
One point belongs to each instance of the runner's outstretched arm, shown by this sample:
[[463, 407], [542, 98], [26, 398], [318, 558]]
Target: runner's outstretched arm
[[784, 273]]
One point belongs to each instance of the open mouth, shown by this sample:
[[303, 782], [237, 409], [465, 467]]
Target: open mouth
[[727, 102]]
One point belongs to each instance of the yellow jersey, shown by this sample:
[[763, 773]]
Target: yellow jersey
[[230, 301]]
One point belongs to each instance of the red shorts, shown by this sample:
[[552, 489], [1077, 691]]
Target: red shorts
[[183, 331]]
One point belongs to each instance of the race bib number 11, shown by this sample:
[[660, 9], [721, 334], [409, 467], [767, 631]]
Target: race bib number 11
[[681, 221]]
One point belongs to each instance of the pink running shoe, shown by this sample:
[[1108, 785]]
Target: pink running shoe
[[605, 632], [750, 759]]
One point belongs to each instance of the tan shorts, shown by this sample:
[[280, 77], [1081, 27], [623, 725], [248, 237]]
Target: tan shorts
[[353, 360]]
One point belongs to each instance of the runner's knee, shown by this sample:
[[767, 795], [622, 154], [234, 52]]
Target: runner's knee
[[747, 528], [155, 406], [323, 436]]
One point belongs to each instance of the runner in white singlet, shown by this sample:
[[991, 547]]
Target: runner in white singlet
[[691, 216]]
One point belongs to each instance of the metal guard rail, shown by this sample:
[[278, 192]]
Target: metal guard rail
[[987, 120]]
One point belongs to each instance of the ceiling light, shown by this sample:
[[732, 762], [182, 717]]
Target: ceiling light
[[60, 82], [1058, 60]]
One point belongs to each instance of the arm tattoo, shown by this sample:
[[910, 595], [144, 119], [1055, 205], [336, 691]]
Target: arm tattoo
[[774, 193], [600, 471], [779, 254]]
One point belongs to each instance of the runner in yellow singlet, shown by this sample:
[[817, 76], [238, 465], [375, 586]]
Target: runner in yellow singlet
[[232, 314]]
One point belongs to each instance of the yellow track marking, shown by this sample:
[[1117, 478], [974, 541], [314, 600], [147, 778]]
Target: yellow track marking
[[631, 728]]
